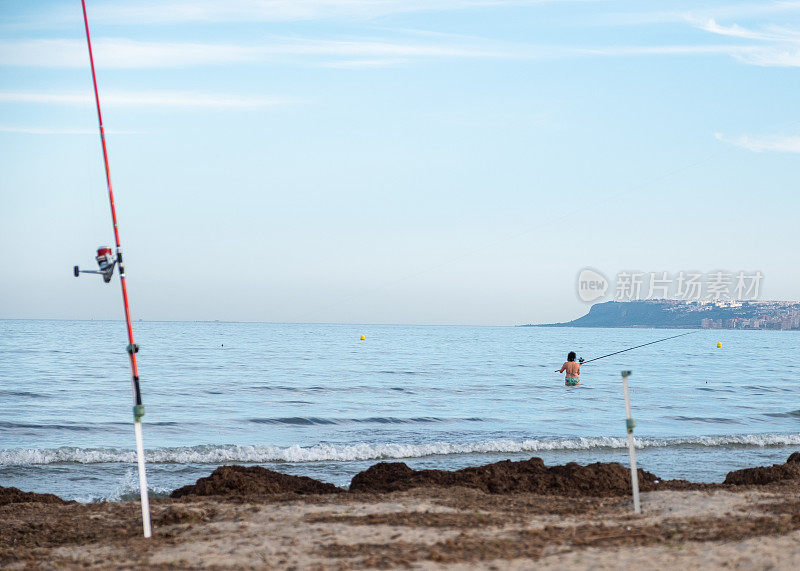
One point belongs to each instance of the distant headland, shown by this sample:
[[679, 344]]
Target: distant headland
[[674, 314]]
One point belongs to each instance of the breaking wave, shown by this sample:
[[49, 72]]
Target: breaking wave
[[212, 454], [126, 489]]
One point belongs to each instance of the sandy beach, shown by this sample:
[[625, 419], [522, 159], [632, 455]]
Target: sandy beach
[[256, 522]]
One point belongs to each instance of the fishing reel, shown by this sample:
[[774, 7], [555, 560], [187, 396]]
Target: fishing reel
[[105, 261], [580, 360]]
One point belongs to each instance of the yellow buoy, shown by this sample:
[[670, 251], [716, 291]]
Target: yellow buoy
[[362, 337], [719, 344]]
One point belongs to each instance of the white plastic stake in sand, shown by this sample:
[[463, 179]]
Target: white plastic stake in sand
[[629, 424], [137, 428]]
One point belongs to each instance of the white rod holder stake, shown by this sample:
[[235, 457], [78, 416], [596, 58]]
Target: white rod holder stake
[[629, 424], [137, 428]]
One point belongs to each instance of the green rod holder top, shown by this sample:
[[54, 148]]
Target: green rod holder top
[[138, 412]]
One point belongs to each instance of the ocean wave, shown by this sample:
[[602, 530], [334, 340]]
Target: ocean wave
[[126, 489], [313, 420], [6, 393], [28, 425], [784, 414], [82, 427], [211, 454], [707, 419]]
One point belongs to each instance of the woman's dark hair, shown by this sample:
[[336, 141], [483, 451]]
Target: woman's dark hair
[[571, 356]]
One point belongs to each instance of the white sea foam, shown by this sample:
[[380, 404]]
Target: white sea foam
[[127, 488], [342, 453]]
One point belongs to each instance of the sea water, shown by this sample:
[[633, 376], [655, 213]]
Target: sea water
[[315, 400]]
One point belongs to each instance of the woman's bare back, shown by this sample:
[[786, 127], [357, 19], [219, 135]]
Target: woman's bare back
[[572, 368]]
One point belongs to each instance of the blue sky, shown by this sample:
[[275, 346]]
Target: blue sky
[[401, 161]]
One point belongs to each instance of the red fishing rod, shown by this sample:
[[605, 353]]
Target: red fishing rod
[[106, 263]]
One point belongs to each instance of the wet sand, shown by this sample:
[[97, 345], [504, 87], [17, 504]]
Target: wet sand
[[269, 520]]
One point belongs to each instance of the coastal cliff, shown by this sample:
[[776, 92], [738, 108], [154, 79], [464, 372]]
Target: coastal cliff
[[675, 314]]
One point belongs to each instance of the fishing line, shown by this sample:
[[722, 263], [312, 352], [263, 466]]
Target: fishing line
[[632, 348]]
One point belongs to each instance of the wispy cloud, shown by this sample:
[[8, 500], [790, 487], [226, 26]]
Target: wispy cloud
[[764, 45], [144, 99], [761, 44], [769, 33], [665, 50], [365, 63], [214, 11], [764, 143], [771, 57], [117, 53], [61, 131], [122, 53], [32, 15], [770, 45], [710, 25], [673, 16]]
